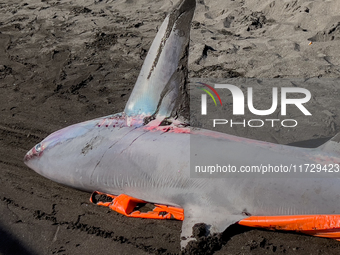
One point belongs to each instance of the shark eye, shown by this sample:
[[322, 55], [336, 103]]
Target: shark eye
[[38, 148]]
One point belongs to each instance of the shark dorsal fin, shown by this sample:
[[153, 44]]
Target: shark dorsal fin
[[161, 88]]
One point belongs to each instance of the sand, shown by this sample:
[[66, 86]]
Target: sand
[[63, 62]]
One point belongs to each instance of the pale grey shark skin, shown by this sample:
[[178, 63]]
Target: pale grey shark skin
[[125, 154]]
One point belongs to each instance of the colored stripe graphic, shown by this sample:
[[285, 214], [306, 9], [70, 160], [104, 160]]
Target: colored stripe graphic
[[208, 92], [212, 89]]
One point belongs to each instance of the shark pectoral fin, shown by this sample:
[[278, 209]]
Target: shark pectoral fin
[[216, 221], [315, 225], [126, 205]]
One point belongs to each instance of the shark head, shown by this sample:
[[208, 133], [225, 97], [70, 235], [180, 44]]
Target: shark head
[[50, 158]]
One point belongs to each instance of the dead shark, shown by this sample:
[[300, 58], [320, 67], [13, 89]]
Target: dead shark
[[144, 153]]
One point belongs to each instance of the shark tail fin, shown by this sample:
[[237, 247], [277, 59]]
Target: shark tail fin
[[161, 86], [332, 146]]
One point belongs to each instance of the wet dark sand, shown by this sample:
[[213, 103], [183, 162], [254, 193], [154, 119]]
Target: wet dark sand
[[57, 69]]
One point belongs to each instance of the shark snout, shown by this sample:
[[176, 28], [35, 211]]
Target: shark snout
[[28, 156], [58, 137], [35, 152]]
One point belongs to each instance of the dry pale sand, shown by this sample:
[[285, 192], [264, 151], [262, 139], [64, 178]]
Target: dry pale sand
[[62, 62]]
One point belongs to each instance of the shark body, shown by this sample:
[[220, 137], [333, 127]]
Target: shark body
[[144, 152]]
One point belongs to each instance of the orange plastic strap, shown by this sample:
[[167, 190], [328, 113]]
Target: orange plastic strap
[[125, 205], [316, 225]]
